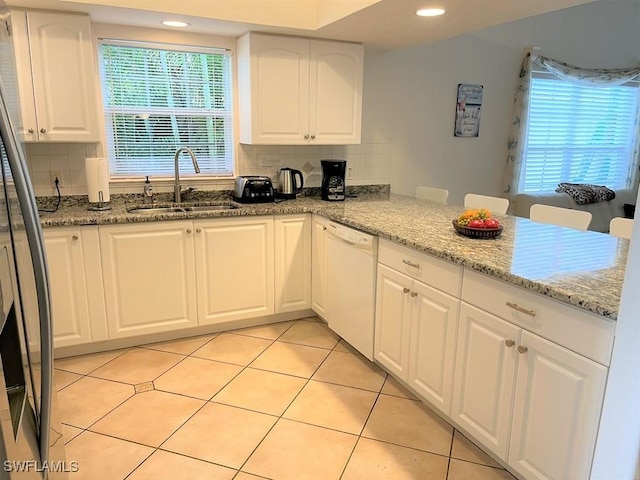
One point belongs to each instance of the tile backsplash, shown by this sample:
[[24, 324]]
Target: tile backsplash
[[367, 164], [45, 159]]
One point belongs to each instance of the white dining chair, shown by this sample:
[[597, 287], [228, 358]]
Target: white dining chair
[[439, 195], [563, 217], [621, 227], [493, 204]]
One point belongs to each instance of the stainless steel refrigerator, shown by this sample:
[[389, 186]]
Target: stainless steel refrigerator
[[31, 443]]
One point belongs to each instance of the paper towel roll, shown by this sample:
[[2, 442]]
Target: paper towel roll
[[97, 171]]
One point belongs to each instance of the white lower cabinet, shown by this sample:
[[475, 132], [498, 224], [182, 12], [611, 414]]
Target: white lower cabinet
[[75, 282], [234, 268], [485, 377], [292, 262], [149, 277], [77, 299], [533, 403], [415, 333], [556, 411], [319, 265]]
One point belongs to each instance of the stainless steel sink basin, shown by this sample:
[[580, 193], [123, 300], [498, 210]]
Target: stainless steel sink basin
[[191, 208], [151, 210], [207, 208]]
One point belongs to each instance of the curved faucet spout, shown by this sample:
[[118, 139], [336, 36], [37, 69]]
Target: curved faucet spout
[[177, 189]]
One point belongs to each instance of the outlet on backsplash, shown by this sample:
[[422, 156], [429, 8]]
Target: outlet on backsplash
[[56, 174]]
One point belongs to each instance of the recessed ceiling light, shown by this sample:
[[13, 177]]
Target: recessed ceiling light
[[430, 12], [175, 23]]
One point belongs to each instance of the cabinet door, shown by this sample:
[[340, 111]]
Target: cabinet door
[[434, 323], [149, 277], [556, 412], [77, 303], [393, 309], [319, 265], [234, 268], [274, 89], [64, 77], [485, 377], [292, 262], [335, 92]]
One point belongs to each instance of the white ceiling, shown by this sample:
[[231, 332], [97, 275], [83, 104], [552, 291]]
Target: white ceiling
[[379, 24]]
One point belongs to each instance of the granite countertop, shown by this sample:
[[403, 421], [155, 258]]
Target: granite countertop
[[584, 269]]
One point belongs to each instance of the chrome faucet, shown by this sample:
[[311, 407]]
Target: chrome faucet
[[177, 190]]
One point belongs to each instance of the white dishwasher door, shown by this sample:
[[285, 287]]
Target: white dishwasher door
[[351, 285]]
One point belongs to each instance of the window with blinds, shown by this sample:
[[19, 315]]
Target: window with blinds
[[160, 98], [579, 134]]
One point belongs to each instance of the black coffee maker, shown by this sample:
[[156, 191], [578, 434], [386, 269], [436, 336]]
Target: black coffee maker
[[333, 173]]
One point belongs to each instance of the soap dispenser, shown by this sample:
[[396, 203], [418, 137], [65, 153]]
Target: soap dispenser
[[148, 191]]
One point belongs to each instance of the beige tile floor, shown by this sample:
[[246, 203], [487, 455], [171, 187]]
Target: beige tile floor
[[282, 401]]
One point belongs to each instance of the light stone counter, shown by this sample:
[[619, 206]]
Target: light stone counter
[[584, 269]]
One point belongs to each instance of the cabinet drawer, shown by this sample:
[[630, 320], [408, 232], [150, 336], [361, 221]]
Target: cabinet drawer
[[584, 333], [437, 273]]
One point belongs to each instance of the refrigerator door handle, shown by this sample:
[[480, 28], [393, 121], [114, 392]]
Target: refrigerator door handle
[[29, 211]]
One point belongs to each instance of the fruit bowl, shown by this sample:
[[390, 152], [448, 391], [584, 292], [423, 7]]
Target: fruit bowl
[[477, 232]]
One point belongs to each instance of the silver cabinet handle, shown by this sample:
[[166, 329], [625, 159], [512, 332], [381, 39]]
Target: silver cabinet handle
[[313, 136], [43, 130], [410, 263], [306, 137], [509, 343], [515, 306], [414, 294], [31, 130], [405, 290], [523, 349], [74, 237]]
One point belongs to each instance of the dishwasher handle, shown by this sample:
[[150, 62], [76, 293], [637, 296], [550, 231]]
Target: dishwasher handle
[[351, 236]]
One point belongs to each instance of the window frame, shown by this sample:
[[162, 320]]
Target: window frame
[[632, 173], [178, 41]]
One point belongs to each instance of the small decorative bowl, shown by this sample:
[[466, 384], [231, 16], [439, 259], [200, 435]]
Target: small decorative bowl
[[477, 232]]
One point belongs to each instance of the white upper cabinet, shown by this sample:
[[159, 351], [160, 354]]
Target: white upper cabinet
[[297, 91], [57, 77]]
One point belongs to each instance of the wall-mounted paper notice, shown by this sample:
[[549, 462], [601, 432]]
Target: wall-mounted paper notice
[[97, 171]]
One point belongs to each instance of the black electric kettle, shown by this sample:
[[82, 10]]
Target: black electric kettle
[[287, 185]]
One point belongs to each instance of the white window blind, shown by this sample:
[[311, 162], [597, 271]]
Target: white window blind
[[579, 134], [158, 99]]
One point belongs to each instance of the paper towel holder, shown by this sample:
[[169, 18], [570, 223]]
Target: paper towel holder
[[100, 205]]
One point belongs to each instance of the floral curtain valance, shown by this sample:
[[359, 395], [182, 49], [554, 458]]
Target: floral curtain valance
[[582, 76]]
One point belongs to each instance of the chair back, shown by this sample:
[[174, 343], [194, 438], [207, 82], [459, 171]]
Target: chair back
[[493, 204], [563, 217], [439, 195], [621, 227]]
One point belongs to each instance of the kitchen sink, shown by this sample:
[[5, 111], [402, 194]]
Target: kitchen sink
[[151, 210], [207, 208], [191, 208]]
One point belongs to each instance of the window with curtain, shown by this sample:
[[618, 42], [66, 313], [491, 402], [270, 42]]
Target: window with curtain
[[158, 98], [579, 134]]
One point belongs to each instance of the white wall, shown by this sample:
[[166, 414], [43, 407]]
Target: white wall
[[417, 105]]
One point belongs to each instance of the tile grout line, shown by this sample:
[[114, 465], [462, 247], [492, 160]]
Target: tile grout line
[[244, 367], [280, 417], [346, 465]]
